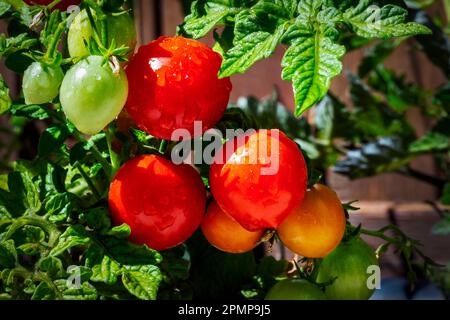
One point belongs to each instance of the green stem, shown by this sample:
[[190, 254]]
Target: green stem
[[115, 162], [54, 3], [104, 33], [55, 41], [88, 181], [49, 228], [163, 146]]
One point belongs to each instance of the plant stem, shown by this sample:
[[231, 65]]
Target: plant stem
[[163, 146], [88, 181], [115, 162], [439, 183], [55, 41], [48, 227]]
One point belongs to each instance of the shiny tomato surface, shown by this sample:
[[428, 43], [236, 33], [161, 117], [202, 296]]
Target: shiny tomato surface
[[173, 82], [259, 189], [163, 203], [63, 5], [226, 234], [316, 227]]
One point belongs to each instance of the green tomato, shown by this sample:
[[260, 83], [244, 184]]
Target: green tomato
[[295, 289], [349, 264], [41, 83], [120, 28], [92, 95]]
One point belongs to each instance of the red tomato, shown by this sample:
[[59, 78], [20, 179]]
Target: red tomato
[[317, 226], [259, 190], [163, 203], [226, 234], [173, 82], [63, 5]]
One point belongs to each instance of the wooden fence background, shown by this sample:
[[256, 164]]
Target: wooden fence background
[[393, 192]]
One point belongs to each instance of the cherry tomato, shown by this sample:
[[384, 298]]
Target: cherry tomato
[[92, 95], [63, 5], [349, 264], [316, 227], [163, 203], [295, 289], [173, 82], [120, 29], [41, 83], [259, 178], [226, 234]]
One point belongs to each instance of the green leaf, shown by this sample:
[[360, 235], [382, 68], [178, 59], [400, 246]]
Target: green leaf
[[59, 206], [4, 7], [371, 21], [142, 281], [127, 253], [32, 111], [107, 271], [85, 291], [257, 31], [52, 266], [5, 99], [207, 14], [97, 219], [52, 139], [430, 142], [11, 45], [8, 254], [44, 292], [310, 63], [122, 232], [73, 236]]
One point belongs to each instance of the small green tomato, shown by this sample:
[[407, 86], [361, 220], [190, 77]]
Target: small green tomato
[[41, 83]]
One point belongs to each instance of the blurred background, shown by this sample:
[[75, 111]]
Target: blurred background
[[384, 199]]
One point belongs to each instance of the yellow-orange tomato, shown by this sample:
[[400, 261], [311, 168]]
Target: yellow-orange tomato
[[317, 226], [226, 234]]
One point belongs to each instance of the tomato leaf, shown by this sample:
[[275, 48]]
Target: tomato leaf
[[432, 141], [257, 32], [5, 99], [52, 139], [371, 21], [207, 14], [310, 63], [8, 254], [73, 236], [142, 281]]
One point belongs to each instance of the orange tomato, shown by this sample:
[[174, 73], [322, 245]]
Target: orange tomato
[[226, 234], [317, 226]]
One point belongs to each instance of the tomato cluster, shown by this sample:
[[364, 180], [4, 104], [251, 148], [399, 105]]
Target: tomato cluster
[[258, 179]]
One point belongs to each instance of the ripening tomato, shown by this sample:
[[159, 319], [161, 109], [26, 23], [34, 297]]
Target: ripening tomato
[[226, 234], [173, 82], [295, 289], [41, 83], [316, 227], [163, 203], [92, 95], [62, 5], [259, 178], [120, 29], [349, 263]]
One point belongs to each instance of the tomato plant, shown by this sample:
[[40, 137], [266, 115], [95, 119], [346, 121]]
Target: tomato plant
[[348, 265], [259, 190], [93, 192], [92, 95], [173, 82], [317, 226], [162, 203], [295, 289], [226, 234]]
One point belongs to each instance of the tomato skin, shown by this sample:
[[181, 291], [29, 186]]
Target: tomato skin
[[225, 233], [173, 82], [63, 5], [163, 203], [241, 187], [316, 227], [349, 263], [41, 83], [120, 28], [92, 95], [295, 289]]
